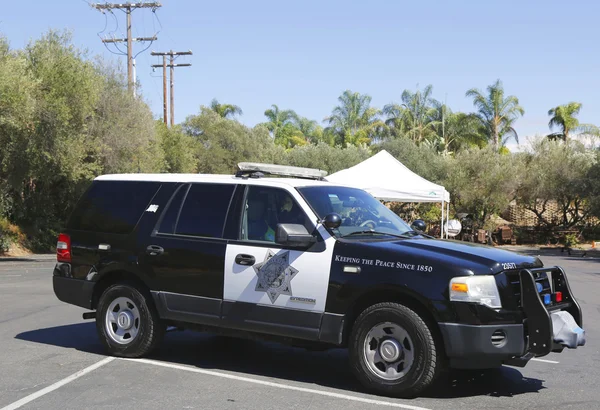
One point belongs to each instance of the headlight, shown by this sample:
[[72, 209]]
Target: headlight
[[479, 289]]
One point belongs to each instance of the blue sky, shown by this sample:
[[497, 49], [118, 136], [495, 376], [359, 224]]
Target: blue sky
[[303, 55]]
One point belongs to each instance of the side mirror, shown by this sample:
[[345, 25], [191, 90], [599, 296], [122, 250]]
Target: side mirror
[[332, 221], [293, 235], [419, 225]]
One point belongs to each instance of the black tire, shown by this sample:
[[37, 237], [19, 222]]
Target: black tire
[[151, 328], [427, 362]]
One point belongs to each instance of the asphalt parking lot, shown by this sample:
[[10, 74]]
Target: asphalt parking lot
[[50, 358]]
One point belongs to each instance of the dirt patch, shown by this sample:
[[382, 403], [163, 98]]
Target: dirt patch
[[16, 250]]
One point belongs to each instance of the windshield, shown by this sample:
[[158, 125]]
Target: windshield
[[358, 209]]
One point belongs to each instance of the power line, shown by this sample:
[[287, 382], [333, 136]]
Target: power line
[[172, 54], [127, 8]]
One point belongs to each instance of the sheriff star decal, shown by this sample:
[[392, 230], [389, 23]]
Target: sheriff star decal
[[275, 275]]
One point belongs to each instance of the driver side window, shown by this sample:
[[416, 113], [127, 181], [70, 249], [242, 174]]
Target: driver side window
[[266, 207]]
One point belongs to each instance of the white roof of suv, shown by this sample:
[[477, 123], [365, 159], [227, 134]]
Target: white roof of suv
[[222, 178]]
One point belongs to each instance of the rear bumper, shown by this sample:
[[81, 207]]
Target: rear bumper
[[76, 292], [484, 346]]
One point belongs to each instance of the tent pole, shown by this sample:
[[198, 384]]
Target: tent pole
[[442, 225], [447, 214]]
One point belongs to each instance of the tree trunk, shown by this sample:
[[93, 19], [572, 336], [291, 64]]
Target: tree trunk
[[496, 136]]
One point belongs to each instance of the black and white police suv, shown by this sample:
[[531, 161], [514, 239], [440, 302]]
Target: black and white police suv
[[301, 260]]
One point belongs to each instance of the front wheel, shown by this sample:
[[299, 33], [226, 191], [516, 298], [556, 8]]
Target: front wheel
[[393, 352], [127, 323]]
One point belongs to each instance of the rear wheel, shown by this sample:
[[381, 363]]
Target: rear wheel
[[126, 321], [393, 352]]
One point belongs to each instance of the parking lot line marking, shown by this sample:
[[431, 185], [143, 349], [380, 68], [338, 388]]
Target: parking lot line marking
[[57, 385], [545, 361], [277, 385]]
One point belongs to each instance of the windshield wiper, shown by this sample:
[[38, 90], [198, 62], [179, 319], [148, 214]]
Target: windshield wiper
[[417, 233], [372, 232]]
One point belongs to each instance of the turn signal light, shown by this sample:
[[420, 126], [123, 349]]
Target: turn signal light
[[460, 287]]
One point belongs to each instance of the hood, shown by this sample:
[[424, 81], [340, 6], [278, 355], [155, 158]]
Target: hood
[[455, 255]]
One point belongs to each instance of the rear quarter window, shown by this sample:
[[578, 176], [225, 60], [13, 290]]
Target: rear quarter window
[[113, 206]]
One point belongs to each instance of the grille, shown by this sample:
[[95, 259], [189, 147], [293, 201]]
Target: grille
[[542, 280]]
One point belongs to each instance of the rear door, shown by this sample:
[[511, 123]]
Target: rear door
[[101, 225], [186, 252], [269, 287]]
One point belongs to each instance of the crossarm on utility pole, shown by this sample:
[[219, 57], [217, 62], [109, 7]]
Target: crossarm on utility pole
[[108, 6], [122, 40]]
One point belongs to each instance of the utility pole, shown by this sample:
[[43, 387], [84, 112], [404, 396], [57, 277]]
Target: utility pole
[[172, 54], [128, 8]]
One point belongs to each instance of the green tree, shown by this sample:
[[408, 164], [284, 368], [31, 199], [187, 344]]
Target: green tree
[[64, 119], [222, 143], [564, 117], [354, 121], [122, 127], [310, 129], [455, 131], [225, 110], [557, 172], [497, 113], [483, 183], [414, 117], [178, 148], [325, 157], [277, 119]]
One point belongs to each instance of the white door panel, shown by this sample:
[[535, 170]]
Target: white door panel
[[279, 277]]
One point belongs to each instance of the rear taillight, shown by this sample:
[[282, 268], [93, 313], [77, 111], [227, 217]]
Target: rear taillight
[[63, 248]]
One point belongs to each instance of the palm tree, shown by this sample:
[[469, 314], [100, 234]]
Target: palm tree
[[414, 117], [497, 113], [563, 117], [309, 128], [455, 131], [278, 119], [354, 120], [225, 110]]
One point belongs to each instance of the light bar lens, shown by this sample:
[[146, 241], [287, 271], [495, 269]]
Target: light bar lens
[[480, 289], [283, 170]]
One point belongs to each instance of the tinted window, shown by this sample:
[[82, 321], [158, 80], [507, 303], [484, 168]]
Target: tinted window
[[113, 206], [204, 210], [265, 208], [169, 219]]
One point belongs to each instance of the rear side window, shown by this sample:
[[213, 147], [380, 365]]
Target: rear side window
[[204, 210], [169, 220], [113, 206]]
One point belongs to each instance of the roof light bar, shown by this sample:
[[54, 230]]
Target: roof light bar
[[247, 168]]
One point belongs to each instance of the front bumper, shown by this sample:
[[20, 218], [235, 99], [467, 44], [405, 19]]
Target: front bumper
[[484, 346]]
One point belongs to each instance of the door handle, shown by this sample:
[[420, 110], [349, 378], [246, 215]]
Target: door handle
[[154, 250], [243, 259]]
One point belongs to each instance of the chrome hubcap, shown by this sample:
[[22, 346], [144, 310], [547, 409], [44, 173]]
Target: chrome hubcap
[[125, 320], [122, 320], [388, 351]]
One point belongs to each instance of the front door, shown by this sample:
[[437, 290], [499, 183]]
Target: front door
[[268, 287]]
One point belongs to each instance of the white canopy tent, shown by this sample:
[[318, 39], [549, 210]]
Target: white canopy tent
[[387, 179]]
